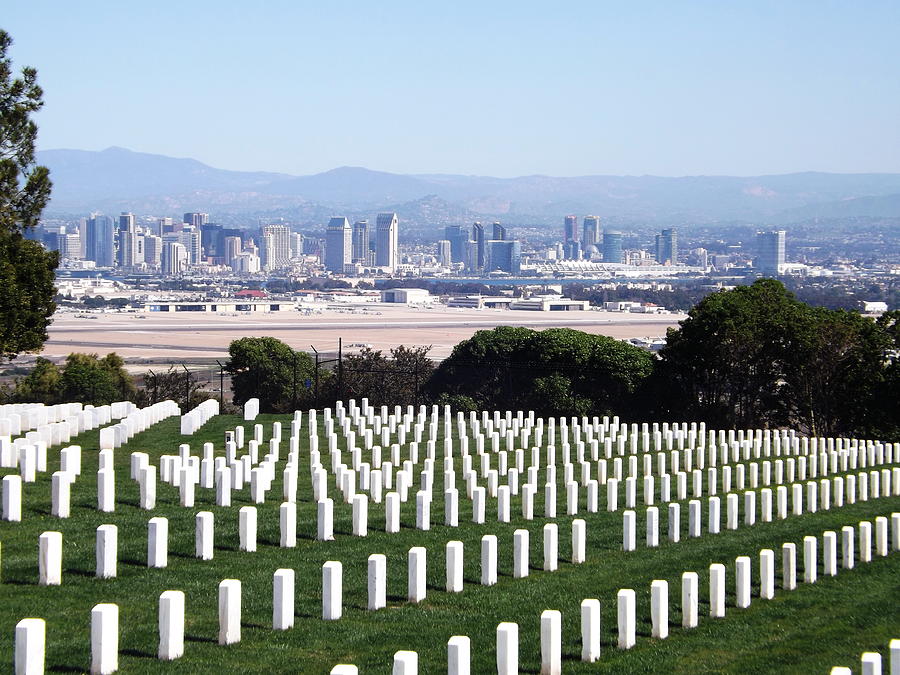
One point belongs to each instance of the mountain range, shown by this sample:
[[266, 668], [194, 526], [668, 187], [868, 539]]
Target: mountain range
[[117, 179]]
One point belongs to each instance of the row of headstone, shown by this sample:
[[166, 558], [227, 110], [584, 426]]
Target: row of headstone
[[732, 519], [195, 418], [135, 422], [870, 663]]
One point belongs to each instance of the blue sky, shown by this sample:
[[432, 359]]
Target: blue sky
[[491, 88]]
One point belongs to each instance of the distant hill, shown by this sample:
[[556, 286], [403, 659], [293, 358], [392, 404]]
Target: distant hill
[[117, 179]]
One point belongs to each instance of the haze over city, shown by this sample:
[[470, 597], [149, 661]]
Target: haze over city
[[502, 89]]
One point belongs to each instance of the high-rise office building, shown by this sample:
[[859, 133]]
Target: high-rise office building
[[612, 248], [770, 248], [499, 232], [196, 219], [296, 245], [211, 242], [505, 256], [174, 259], [360, 252], [458, 238], [338, 244], [153, 250], [127, 243], [100, 240], [572, 250], [444, 254], [69, 245], [479, 239], [233, 247], [570, 228], [667, 247], [590, 232], [275, 252], [387, 250]]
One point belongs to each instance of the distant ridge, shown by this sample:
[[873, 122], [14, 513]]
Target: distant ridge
[[117, 178]]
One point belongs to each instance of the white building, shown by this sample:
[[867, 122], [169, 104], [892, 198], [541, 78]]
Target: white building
[[275, 251], [174, 259], [386, 241]]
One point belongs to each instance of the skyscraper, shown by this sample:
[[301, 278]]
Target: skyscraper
[[232, 249], [478, 238], [386, 241], [211, 241], [612, 247], [570, 228], [130, 249], [196, 219], [590, 232], [458, 238], [100, 240], [174, 259], [276, 247], [360, 252], [152, 250], [499, 232], [338, 244], [443, 253], [505, 256], [770, 247], [667, 247]]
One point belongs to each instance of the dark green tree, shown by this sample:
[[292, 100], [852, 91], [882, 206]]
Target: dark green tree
[[725, 363], [392, 379], [41, 385], [268, 369], [26, 268], [89, 379], [557, 371]]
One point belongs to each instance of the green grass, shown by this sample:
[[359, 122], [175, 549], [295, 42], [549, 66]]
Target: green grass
[[808, 630]]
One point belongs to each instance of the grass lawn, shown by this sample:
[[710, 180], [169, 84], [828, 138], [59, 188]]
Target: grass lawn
[[807, 630]]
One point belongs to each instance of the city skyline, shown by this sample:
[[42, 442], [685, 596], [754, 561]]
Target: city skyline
[[696, 88]]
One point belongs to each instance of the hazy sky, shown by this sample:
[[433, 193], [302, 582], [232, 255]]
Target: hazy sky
[[487, 87]]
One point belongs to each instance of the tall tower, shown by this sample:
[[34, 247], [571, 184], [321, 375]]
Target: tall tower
[[570, 228], [478, 238], [360, 252], [443, 253], [667, 247], [386, 241], [196, 219], [499, 232], [338, 244], [770, 247], [276, 250], [590, 232], [100, 240], [459, 239], [612, 247]]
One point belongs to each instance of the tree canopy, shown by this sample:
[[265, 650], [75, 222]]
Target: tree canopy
[[756, 356], [268, 369], [557, 371], [26, 268]]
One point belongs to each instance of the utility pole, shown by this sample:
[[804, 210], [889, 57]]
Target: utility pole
[[187, 386], [316, 351], [221, 384]]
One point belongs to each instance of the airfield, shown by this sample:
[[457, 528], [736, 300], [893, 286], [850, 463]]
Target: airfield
[[145, 337]]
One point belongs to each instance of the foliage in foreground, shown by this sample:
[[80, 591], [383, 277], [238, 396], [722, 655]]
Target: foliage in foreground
[[26, 268]]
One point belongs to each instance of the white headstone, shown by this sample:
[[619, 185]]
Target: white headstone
[[626, 618], [283, 599], [717, 590], [31, 642], [377, 581], [105, 638], [590, 630], [229, 611], [171, 625], [332, 590], [551, 642], [508, 648], [107, 547], [690, 598], [520, 554], [50, 559], [551, 547], [459, 655], [158, 542], [454, 567]]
